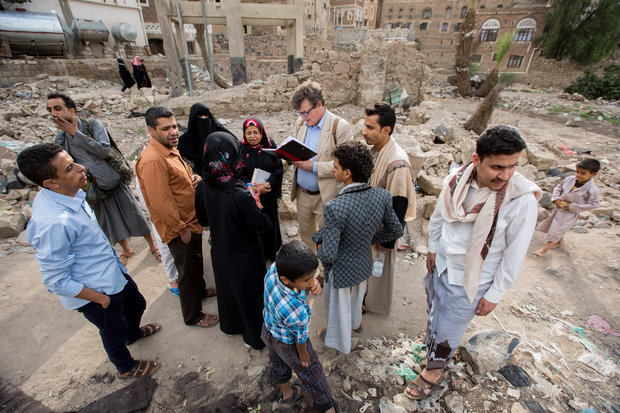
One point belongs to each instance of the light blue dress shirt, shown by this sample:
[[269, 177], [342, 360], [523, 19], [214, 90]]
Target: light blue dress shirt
[[72, 250], [307, 179]]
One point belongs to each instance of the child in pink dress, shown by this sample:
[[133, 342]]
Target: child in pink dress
[[573, 195]]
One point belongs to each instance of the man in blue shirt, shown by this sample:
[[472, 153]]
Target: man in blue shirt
[[77, 262], [314, 184]]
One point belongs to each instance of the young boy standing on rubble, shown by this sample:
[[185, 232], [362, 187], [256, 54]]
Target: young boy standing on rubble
[[573, 195], [285, 330]]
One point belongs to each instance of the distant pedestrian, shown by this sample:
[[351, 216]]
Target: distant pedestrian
[[128, 81], [145, 74], [138, 72]]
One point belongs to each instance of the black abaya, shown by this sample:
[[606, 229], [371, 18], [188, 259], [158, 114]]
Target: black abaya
[[253, 159], [224, 204]]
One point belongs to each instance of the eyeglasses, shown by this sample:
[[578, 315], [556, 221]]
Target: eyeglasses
[[306, 113]]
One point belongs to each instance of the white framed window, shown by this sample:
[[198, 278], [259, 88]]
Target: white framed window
[[525, 30], [515, 61], [489, 30]]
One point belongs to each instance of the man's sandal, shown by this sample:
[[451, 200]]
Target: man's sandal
[[289, 404], [156, 254], [207, 320], [422, 387], [142, 368], [147, 331]]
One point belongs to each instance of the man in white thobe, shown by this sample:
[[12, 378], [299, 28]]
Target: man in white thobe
[[478, 239]]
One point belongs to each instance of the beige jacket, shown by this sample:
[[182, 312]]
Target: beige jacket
[[328, 187]]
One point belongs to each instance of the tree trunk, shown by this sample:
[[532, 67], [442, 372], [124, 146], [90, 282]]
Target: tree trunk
[[463, 52], [200, 38], [489, 83], [480, 119]]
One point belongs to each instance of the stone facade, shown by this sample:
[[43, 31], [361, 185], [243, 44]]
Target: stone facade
[[347, 14], [436, 27]]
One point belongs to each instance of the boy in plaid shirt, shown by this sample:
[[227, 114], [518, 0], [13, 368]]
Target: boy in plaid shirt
[[285, 330]]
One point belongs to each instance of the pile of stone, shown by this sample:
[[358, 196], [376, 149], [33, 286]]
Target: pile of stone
[[484, 370]]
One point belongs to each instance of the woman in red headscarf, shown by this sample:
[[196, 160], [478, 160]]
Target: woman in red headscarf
[[138, 74], [255, 139]]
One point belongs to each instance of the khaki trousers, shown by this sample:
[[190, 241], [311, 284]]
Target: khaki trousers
[[309, 216]]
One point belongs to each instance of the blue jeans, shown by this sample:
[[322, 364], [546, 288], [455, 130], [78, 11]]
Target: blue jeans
[[118, 323]]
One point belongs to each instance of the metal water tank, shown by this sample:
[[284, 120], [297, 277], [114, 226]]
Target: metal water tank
[[33, 33], [124, 32], [90, 30]]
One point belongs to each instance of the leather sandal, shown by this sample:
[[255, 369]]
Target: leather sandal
[[289, 404], [207, 320], [156, 254], [147, 331], [422, 387], [142, 368]]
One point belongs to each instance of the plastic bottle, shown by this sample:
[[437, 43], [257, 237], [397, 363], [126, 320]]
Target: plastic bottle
[[377, 266]]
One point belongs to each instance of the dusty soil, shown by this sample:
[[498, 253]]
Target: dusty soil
[[55, 356]]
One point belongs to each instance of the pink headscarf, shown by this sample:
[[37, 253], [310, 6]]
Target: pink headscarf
[[136, 61]]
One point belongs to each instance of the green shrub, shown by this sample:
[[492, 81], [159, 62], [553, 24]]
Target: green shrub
[[507, 78], [592, 86]]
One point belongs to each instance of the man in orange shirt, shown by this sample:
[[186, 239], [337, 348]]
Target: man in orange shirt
[[168, 184]]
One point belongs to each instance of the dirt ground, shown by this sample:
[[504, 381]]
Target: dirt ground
[[55, 356]]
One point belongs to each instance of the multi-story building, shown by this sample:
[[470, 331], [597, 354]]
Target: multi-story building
[[347, 14], [436, 26]]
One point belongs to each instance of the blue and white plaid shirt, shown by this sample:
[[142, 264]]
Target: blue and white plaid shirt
[[286, 313]]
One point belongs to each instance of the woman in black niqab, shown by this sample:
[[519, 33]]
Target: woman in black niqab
[[201, 124], [225, 205], [125, 75]]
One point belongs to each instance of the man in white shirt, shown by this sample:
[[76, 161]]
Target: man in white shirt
[[478, 239]]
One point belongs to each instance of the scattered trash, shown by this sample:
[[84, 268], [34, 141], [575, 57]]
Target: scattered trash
[[568, 151], [597, 363], [601, 325], [516, 375]]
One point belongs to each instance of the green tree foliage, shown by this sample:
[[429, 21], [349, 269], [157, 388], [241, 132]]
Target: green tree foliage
[[503, 44], [592, 86], [586, 31]]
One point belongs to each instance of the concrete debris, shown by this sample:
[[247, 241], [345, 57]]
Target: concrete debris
[[431, 185], [489, 351]]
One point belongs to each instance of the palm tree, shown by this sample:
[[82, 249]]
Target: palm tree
[[463, 50]]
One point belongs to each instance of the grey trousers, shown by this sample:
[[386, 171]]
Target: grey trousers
[[449, 315]]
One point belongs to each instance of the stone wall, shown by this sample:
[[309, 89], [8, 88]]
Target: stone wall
[[19, 70]]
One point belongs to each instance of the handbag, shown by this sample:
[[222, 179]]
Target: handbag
[[94, 194], [115, 158]]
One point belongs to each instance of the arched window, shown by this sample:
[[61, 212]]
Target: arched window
[[426, 14], [489, 30], [525, 30], [463, 11], [448, 12]]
